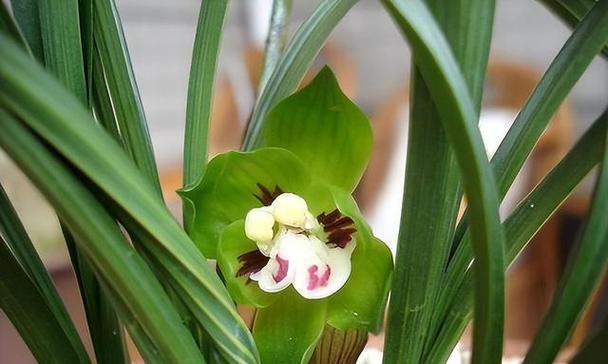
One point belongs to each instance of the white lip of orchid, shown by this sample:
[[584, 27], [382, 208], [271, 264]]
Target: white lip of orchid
[[297, 255]]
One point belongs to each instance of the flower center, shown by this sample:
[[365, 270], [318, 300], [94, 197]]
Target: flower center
[[294, 247]]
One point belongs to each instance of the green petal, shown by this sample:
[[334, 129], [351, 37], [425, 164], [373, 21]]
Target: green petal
[[329, 133], [226, 191], [233, 243], [361, 302], [287, 331]]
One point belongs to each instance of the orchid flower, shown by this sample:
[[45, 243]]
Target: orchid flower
[[287, 235]]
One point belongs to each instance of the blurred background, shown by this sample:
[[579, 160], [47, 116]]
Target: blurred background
[[372, 63]]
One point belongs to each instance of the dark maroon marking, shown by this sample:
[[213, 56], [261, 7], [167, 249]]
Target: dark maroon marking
[[328, 219], [253, 262], [339, 228], [265, 196]]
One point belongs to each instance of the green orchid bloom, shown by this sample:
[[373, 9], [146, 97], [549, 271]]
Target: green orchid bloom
[[287, 235]]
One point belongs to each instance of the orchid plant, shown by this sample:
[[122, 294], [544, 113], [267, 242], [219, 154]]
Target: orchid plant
[[277, 217], [287, 235]]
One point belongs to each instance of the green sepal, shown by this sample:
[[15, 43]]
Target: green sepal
[[227, 190], [360, 303], [287, 332], [233, 243], [327, 131]]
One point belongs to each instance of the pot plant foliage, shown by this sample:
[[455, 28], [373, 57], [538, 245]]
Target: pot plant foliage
[[278, 217]]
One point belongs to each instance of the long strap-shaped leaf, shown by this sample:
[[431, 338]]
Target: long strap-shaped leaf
[[26, 256], [565, 70], [572, 12], [110, 40], [58, 118], [60, 28], [103, 244], [275, 39], [27, 308], [583, 271], [448, 88], [432, 187], [63, 53], [8, 25], [294, 63], [200, 88], [26, 15], [521, 225]]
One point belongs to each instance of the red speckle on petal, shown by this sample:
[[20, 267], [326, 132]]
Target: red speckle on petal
[[314, 281], [282, 272]]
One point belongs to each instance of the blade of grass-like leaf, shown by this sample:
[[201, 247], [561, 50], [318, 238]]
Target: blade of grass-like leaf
[[275, 39], [105, 330], [8, 25], [561, 76], [60, 28], [581, 275], [294, 63], [102, 242], [63, 51], [24, 252], [559, 79], [572, 12], [457, 112], [101, 101], [432, 186], [521, 225], [200, 88], [109, 38], [26, 15], [594, 349], [27, 309], [85, 11], [58, 119]]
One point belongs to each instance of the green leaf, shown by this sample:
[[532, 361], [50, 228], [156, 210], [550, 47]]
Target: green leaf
[[103, 244], [200, 89], [25, 254], [431, 193], [26, 15], [65, 125], [60, 28], [8, 25], [298, 56], [227, 190], [110, 41], [521, 225], [432, 188], [27, 308], [234, 243], [275, 41], [326, 130], [593, 350], [563, 73], [584, 270], [85, 11], [572, 12], [457, 112], [287, 331], [559, 79]]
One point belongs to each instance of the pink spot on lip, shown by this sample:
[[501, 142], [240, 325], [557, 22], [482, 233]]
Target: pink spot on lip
[[283, 267], [314, 281]]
